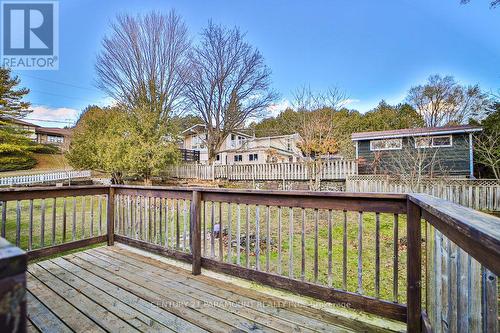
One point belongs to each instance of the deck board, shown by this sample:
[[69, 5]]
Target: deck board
[[115, 289]]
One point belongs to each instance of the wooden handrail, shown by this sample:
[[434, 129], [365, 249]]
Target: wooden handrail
[[475, 232]]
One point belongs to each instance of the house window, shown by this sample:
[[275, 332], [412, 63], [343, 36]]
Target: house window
[[253, 157], [289, 145], [433, 141], [55, 139], [441, 141], [233, 137], [217, 158], [423, 142], [238, 158], [387, 144]]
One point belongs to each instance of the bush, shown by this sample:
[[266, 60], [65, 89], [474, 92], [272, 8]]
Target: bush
[[16, 162], [46, 149]]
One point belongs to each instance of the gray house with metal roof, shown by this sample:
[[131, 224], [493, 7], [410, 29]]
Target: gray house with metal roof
[[432, 151]]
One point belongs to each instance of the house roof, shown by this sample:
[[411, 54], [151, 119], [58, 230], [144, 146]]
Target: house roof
[[422, 131], [54, 131], [195, 129], [22, 122]]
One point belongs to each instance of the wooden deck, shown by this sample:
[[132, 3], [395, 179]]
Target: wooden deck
[[117, 290]]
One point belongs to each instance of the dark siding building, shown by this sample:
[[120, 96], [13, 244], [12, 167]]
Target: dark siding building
[[436, 151]]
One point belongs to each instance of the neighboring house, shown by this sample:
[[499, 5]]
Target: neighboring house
[[241, 148], [60, 137], [438, 150], [29, 128], [271, 149], [194, 138]]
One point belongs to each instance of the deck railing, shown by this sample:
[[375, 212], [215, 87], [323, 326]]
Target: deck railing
[[374, 252]]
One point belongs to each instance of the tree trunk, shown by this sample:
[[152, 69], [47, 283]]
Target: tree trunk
[[147, 180], [117, 178]]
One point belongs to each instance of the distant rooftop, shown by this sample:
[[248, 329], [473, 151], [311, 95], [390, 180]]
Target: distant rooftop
[[54, 131], [414, 132]]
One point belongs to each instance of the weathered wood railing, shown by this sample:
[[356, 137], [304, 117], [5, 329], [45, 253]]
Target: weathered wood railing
[[373, 252], [48, 220], [461, 268]]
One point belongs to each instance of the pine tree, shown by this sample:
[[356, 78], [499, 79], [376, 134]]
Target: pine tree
[[11, 103], [16, 150]]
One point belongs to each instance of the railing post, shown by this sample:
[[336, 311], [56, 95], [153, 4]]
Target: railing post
[[414, 266], [195, 222], [13, 265], [110, 216]]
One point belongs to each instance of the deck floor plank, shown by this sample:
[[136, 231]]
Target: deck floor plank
[[326, 321], [235, 294], [236, 308], [43, 318], [192, 315], [162, 316], [94, 311], [170, 293], [117, 289], [76, 320], [114, 305]]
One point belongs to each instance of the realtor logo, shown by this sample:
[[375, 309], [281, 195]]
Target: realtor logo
[[30, 35]]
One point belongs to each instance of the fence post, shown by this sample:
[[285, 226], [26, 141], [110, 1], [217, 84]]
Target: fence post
[[195, 222], [414, 266], [110, 216]]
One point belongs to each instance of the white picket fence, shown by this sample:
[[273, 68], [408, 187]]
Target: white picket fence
[[44, 177], [480, 194], [327, 170]]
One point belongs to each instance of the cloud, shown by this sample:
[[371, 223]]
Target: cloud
[[52, 117], [350, 101], [106, 101], [274, 109]]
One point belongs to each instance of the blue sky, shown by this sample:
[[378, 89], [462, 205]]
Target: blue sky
[[372, 50]]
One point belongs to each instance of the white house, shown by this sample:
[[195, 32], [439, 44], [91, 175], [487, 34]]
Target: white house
[[241, 148], [194, 138]]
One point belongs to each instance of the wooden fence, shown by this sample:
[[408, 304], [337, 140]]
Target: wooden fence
[[44, 177], [480, 194], [327, 170]]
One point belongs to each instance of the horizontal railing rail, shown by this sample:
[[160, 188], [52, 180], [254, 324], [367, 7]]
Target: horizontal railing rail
[[374, 252]]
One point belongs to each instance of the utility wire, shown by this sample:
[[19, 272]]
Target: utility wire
[[59, 82], [64, 96]]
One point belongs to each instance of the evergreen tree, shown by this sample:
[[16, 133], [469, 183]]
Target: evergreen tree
[[16, 149], [11, 103]]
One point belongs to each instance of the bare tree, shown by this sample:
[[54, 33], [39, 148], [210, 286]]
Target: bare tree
[[488, 150], [493, 3], [442, 101], [315, 124], [414, 165], [143, 62], [228, 83]]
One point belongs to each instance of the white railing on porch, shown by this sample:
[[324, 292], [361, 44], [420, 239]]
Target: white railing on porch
[[327, 170], [44, 177]]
